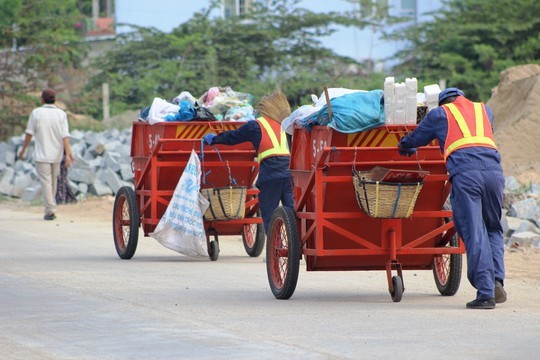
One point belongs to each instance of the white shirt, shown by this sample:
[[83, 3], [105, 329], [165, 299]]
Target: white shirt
[[48, 124]]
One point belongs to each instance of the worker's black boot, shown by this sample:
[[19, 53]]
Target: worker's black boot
[[500, 293], [481, 304]]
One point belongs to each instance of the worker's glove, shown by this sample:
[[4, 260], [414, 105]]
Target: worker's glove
[[406, 152], [209, 138]]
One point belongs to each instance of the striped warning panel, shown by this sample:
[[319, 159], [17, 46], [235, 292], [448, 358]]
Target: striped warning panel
[[379, 137], [198, 130]]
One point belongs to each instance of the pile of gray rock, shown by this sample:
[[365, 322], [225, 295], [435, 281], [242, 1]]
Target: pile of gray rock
[[521, 214], [102, 165]]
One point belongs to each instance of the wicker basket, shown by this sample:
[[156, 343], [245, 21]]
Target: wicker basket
[[227, 203], [385, 199]]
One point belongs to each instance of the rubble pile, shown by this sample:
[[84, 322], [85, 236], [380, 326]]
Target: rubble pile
[[515, 103], [102, 165], [521, 214]]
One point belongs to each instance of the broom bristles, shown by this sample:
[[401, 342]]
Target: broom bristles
[[275, 106]]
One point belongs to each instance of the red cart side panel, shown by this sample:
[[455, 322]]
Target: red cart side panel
[[331, 222], [160, 153]]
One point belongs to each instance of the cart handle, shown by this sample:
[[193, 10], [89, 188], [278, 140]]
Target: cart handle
[[216, 126], [232, 180]]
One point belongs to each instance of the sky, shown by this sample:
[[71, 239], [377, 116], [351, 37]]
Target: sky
[[165, 15]]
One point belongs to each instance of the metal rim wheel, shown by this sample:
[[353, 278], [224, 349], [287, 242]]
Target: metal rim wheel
[[397, 288], [283, 253], [253, 238], [125, 222], [447, 267]]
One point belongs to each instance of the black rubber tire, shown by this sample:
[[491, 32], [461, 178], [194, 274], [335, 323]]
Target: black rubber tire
[[283, 253], [447, 268], [213, 250], [397, 292], [253, 237], [126, 222]]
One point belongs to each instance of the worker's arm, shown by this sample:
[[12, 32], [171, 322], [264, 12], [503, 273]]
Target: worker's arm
[[27, 139], [434, 126], [249, 132], [69, 154]]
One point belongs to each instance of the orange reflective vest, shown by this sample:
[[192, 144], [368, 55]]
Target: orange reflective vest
[[468, 125], [270, 144]]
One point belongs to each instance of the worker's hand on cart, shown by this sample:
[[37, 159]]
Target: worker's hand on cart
[[209, 138], [406, 152]]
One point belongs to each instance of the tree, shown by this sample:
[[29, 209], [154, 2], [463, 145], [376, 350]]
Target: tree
[[469, 42], [275, 45], [39, 42]]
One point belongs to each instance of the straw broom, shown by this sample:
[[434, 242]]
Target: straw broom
[[274, 106]]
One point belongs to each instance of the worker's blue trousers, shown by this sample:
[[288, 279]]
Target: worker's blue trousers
[[271, 193], [476, 200]]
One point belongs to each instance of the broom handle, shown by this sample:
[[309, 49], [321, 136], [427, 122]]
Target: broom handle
[[328, 103]]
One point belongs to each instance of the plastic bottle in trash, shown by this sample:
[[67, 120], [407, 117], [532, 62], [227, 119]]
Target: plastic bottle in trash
[[389, 100]]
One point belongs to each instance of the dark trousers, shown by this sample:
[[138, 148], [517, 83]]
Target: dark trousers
[[271, 193], [476, 200]]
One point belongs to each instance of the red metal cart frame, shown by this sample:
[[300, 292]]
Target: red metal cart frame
[[160, 153], [328, 228]]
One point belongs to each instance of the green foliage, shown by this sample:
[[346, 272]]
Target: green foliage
[[276, 45], [469, 42], [9, 12], [44, 43]]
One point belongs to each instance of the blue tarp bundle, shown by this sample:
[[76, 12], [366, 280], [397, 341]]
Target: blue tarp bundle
[[352, 113], [186, 113]]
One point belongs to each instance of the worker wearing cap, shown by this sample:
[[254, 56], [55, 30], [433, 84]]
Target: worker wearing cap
[[464, 131], [270, 142], [49, 125]]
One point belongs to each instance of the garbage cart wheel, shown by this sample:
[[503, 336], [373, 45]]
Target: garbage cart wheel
[[213, 248], [125, 222], [253, 239], [397, 288], [447, 268], [283, 253]]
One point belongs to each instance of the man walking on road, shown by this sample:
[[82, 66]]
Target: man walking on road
[[49, 125], [465, 135]]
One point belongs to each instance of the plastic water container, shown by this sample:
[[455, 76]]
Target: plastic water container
[[400, 92], [411, 87], [389, 100], [432, 96]]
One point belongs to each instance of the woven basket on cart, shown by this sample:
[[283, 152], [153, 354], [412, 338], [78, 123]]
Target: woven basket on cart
[[385, 199], [226, 203]]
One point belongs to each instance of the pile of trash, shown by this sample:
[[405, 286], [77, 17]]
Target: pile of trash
[[216, 104]]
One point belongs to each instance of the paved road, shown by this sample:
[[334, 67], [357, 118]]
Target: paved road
[[64, 294]]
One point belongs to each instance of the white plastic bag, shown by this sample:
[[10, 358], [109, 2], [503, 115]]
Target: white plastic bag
[[181, 228], [332, 93], [159, 109]]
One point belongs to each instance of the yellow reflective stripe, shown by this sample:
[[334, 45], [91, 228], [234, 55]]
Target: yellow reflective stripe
[[479, 117], [270, 132], [460, 120], [470, 140], [279, 148]]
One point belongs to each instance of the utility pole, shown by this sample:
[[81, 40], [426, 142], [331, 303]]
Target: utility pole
[[95, 9], [110, 8], [106, 109]]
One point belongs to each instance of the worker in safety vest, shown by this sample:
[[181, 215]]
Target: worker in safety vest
[[464, 131], [269, 141]]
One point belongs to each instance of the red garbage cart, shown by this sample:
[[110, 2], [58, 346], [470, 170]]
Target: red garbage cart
[[159, 154], [328, 228]]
